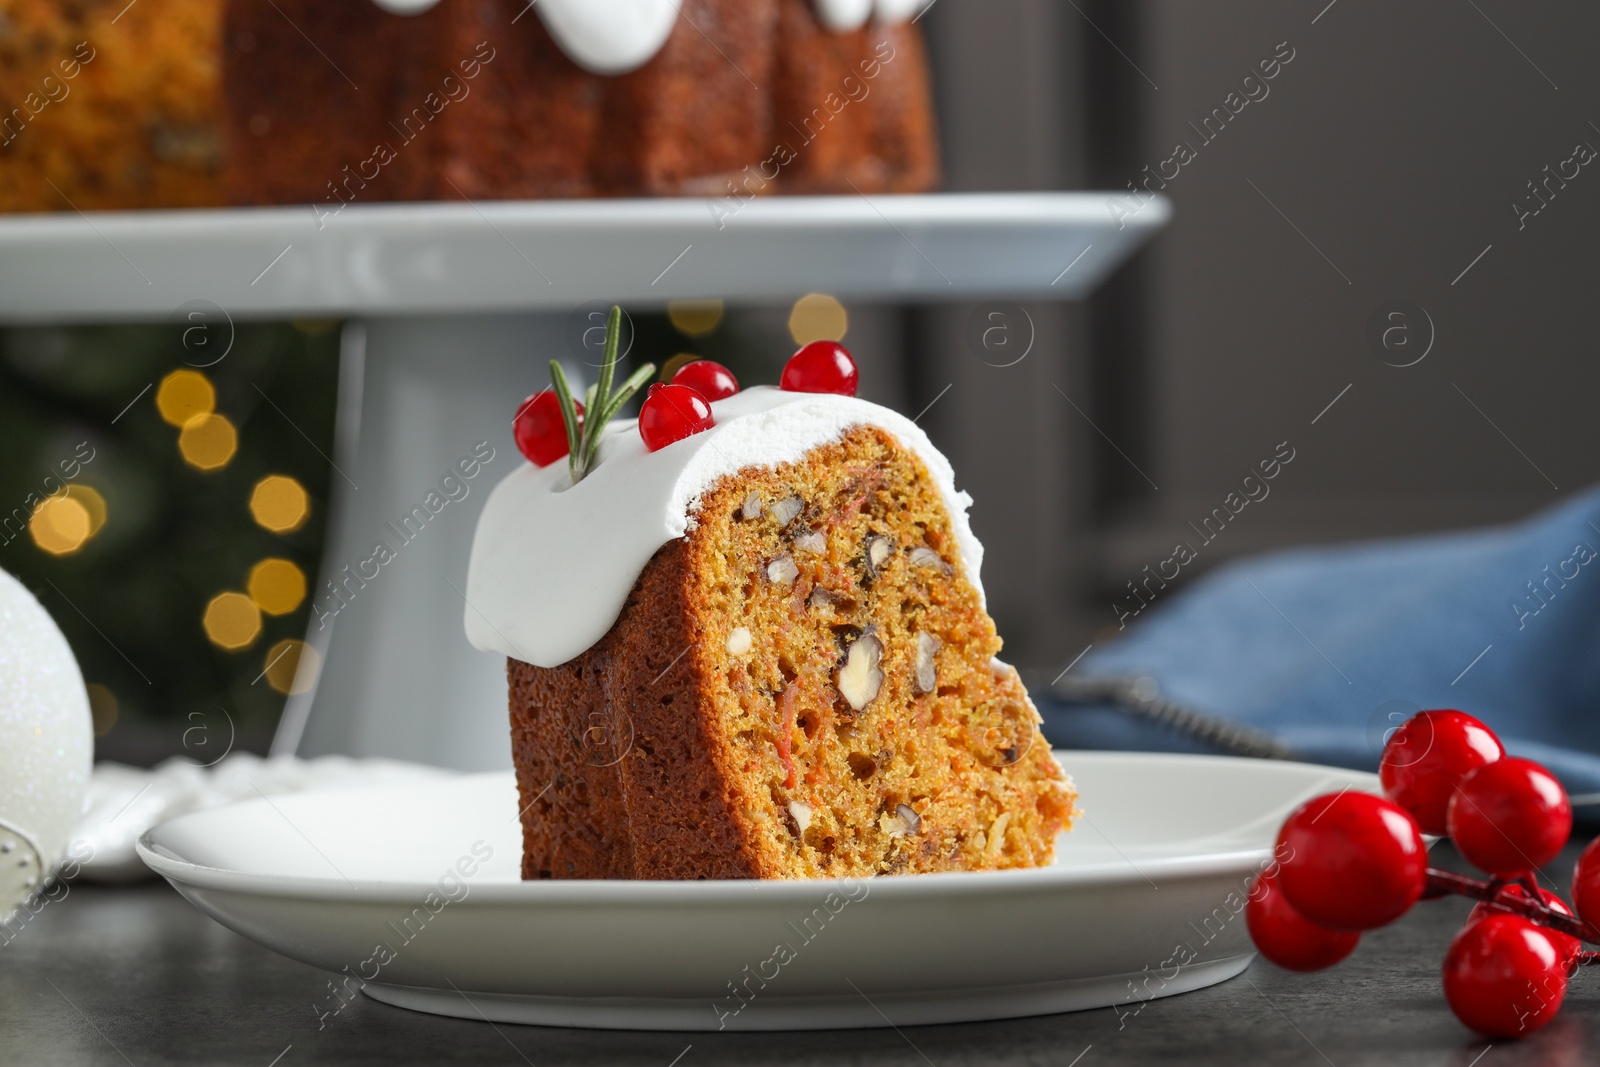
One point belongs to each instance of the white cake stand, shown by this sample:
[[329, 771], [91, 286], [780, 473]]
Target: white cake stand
[[452, 310]]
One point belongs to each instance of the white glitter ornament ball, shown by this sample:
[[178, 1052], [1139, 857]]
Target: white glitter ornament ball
[[46, 743]]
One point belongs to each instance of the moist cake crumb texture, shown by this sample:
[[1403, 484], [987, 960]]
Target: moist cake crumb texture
[[802, 686]]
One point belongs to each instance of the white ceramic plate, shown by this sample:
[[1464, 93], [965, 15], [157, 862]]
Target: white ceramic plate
[[414, 892]]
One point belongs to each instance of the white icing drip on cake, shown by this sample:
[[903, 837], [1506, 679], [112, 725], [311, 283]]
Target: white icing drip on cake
[[842, 16], [899, 10], [617, 36], [406, 7], [552, 562], [609, 36]]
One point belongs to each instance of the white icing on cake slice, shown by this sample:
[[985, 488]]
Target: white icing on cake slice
[[552, 562]]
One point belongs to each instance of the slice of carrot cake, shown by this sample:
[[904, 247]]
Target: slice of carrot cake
[[746, 639]]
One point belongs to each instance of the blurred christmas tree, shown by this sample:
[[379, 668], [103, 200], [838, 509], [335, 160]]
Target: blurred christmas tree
[[163, 492]]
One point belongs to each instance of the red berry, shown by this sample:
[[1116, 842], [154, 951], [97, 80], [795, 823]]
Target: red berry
[[1586, 884], [1288, 938], [708, 378], [1504, 977], [1351, 861], [539, 429], [1509, 816], [671, 413], [820, 367], [1567, 945], [1426, 758]]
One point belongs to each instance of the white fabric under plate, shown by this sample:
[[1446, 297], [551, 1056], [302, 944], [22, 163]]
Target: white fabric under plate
[[124, 801]]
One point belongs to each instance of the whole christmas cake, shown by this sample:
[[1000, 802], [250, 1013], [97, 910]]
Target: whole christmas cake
[[746, 639], [356, 101]]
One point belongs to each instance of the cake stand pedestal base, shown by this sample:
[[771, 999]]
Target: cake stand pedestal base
[[423, 400]]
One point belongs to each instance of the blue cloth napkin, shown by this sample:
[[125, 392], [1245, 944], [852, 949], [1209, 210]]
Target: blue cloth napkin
[[1326, 649]]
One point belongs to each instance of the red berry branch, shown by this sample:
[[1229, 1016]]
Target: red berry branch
[[1497, 894], [1350, 862]]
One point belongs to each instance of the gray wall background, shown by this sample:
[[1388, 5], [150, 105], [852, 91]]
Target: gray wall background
[[1384, 160]]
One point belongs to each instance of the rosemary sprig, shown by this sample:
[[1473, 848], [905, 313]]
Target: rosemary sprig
[[600, 403]]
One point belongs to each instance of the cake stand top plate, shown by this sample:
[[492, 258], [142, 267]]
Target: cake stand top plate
[[511, 256]]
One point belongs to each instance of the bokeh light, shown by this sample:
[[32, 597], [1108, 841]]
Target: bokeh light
[[232, 621], [670, 367], [208, 442], [818, 317], [695, 317], [134, 542], [292, 666], [60, 525], [183, 395], [92, 502], [103, 708], [277, 586], [280, 503]]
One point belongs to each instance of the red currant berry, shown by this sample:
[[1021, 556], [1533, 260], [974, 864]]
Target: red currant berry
[[1288, 938], [820, 367], [1567, 945], [1351, 861], [708, 378], [1426, 758], [671, 413], [1503, 977], [539, 429], [1509, 816], [1586, 884]]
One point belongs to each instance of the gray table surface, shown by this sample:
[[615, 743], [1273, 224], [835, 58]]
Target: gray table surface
[[137, 976]]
